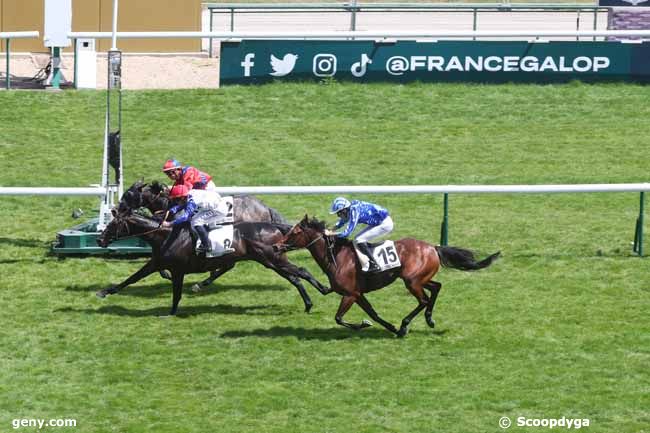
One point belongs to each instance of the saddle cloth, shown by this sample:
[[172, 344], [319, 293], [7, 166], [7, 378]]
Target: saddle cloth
[[224, 214], [221, 238], [385, 255]]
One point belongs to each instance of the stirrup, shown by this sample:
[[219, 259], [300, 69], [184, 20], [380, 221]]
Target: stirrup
[[203, 249], [373, 267]]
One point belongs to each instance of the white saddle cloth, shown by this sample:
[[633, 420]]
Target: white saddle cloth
[[385, 255]]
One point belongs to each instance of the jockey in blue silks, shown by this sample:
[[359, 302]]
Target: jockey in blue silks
[[354, 212]]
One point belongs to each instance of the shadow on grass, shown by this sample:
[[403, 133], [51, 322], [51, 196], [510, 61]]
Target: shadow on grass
[[188, 311], [31, 243], [335, 333], [165, 288]]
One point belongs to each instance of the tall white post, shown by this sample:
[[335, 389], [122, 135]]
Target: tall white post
[[114, 42], [112, 130]]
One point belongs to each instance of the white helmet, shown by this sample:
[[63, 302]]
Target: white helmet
[[339, 204]]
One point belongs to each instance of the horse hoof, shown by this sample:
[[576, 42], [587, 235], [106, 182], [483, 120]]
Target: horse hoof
[[366, 323], [101, 294], [431, 323], [166, 275], [308, 308], [402, 332], [196, 288]]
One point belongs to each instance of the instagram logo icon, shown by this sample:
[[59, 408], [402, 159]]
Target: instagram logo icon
[[324, 65]]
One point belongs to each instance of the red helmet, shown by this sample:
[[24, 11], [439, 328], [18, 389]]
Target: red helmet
[[179, 191], [171, 164]]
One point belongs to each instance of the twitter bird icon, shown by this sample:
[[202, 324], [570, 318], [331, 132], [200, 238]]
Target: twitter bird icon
[[283, 67]]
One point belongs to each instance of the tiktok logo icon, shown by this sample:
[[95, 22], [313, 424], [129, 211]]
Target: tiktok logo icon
[[359, 69]]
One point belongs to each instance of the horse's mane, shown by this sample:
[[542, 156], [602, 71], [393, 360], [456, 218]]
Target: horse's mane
[[158, 187], [320, 226], [144, 219]]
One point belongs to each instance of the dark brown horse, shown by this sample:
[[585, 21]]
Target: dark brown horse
[[155, 198], [420, 262], [251, 241]]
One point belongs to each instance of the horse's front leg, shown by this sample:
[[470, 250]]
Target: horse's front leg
[[147, 269], [344, 306], [213, 276], [370, 311]]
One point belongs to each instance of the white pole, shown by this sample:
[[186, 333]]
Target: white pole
[[114, 44], [92, 191]]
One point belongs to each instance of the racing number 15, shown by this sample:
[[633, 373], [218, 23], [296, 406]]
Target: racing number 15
[[388, 255]]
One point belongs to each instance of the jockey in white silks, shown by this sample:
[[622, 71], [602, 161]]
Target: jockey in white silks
[[199, 206]]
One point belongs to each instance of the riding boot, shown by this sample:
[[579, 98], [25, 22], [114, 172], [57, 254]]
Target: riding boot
[[206, 245], [365, 249]]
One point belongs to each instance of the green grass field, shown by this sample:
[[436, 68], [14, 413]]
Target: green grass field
[[556, 328]]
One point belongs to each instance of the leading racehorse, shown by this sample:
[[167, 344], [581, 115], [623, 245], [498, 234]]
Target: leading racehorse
[[420, 262], [251, 241], [155, 198]]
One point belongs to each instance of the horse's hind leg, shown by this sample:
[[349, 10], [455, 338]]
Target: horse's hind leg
[[423, 301], [365, 305], [177, 281], [147, 269], [344, 306], [434, 287], [213, 276]]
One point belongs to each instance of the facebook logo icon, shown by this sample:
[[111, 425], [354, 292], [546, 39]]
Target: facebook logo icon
[[248, 64]]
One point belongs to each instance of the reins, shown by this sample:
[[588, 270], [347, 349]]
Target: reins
[[139, 234], [144, 233]]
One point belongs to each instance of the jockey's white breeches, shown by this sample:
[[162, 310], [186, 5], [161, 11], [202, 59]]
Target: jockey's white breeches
[[370, 233]]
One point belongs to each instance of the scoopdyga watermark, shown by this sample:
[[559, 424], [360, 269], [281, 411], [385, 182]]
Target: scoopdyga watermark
[[548, 423]]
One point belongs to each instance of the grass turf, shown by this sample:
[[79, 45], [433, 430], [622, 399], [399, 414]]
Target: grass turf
[[557, 327]]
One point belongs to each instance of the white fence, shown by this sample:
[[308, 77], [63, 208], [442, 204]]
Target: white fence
[[385, 34], [353, 189], [397, 189], [435, 189], [92, 191]]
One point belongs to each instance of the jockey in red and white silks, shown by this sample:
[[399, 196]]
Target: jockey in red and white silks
[[188, 175]]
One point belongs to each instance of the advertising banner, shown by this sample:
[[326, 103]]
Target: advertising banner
[[260, 61], [624, 3]]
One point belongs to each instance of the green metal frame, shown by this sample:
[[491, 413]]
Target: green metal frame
[[444, 229], [638, 230], [82, 240], [7, 50]]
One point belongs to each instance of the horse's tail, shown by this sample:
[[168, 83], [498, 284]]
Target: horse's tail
[[462, 259], [276, 217]]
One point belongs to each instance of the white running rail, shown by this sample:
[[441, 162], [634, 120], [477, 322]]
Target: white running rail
[[354, 189], [385, 34]]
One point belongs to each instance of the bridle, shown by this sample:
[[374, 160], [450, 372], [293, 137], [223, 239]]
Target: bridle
[[328, 243], [124, 223]]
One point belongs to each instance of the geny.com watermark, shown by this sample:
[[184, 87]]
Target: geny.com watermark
[[40, 423], [522, 421]]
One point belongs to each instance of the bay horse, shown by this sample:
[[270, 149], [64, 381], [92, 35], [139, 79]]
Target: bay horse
[[420, 262], [251, 241], [155, 198]]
